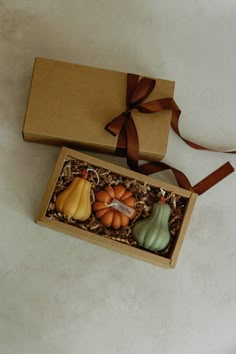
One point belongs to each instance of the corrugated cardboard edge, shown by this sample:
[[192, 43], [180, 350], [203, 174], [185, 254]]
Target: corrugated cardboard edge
[[102, 68], [185, 222], [102, 241], [27, 104], [105, 242], [43, 139]]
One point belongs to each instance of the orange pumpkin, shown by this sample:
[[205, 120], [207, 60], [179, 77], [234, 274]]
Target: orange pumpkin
[[109, 216]]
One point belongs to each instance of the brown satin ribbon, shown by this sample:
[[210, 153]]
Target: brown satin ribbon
[[123, 125], [138, 89]]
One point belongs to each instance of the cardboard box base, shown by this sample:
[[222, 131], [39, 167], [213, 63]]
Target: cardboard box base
[[101, 240]]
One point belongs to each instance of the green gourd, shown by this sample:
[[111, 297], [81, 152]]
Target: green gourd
[[153, 232]]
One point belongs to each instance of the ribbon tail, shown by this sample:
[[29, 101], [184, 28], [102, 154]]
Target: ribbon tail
[[212, 179], [117, 127], [199, 188], [114, 127], [121, 145], [175, 126], [132, 143], [127, 142], [155, 167]]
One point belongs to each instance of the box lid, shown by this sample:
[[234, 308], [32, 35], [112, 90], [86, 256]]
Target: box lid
[[70, 104]]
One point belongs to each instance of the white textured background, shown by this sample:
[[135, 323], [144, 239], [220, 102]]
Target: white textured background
[[61, 295]]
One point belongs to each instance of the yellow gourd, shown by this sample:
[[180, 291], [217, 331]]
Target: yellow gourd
[[74, 201]]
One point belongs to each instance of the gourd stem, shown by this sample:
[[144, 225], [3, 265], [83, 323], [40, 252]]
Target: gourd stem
[[162, 199]]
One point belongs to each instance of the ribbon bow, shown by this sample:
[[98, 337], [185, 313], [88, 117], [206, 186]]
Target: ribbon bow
[[138, 89]]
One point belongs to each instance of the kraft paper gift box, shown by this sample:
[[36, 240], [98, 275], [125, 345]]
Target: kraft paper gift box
[[69, 165], [70, 104]]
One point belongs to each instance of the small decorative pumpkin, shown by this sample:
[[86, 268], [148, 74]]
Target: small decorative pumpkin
[[153, 232], [74, 201], [109, 215]]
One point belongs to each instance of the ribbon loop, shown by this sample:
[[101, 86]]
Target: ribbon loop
[[142, 90], [132, 81], [116, 125]]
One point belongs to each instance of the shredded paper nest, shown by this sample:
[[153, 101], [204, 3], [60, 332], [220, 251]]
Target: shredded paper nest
[[144, 194]]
